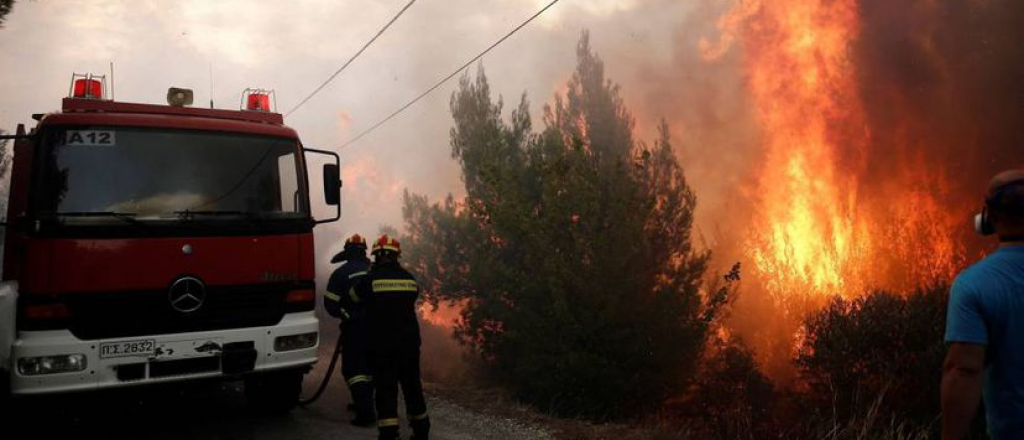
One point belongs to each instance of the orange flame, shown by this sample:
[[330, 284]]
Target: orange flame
[[817, 229], [446, 315]]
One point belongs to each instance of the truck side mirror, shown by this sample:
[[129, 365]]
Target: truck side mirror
[[332, 184]]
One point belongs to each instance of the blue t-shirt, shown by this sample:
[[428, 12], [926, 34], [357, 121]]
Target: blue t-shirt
[[986, 307]]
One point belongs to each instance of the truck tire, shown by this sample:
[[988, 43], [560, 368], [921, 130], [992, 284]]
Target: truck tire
[[274, 392]]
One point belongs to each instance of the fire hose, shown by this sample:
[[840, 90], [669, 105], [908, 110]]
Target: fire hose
[[327, 376]]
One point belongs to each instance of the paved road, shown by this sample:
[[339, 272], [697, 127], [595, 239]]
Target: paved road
[[218, 412]]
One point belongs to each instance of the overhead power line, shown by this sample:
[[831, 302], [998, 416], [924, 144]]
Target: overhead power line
[[350, 60], [449, 77]]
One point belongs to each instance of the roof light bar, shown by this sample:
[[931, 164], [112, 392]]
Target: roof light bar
[[87, 86], [259, 100]]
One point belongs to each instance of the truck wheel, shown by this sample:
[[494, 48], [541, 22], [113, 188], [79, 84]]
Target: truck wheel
[[273, 393]]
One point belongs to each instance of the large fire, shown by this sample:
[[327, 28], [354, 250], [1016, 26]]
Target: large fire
[[819, 228]]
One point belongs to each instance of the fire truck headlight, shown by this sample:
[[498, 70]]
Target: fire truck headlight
[[295, 342], [68, 363]]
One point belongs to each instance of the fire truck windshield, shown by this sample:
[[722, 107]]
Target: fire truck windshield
[[138, 176]]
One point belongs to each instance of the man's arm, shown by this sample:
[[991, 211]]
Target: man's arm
[[362, 288], [962, 375], [331, 297], [346, 291]]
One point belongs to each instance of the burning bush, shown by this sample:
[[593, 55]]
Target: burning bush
[[571, 251], [880, 354]]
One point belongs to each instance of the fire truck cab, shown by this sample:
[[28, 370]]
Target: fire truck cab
[[148, 244]]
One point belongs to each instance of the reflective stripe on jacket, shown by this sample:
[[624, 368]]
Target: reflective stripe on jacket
[[390, 294], [337, 298]]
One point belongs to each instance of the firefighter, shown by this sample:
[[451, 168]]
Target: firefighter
[[390, 293], [340, 304]]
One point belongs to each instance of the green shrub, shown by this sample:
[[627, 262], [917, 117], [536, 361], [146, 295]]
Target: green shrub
[[880, 354]]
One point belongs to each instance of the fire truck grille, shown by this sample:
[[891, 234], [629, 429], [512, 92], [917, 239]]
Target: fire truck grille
[[101, 316]]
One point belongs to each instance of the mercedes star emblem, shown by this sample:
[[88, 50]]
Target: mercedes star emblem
[[187, 294], [186, 249]]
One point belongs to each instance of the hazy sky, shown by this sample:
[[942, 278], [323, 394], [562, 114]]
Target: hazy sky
[[291, 46]]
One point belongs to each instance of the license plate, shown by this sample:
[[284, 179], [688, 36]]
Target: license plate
[[140, 348]]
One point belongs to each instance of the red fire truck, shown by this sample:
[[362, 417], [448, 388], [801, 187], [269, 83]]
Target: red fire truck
[[157, 243]]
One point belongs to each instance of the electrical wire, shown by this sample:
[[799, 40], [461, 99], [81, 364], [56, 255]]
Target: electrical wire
[[350, 60], [449, 77]]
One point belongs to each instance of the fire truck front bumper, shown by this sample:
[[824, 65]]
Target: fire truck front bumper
[[44, 362]]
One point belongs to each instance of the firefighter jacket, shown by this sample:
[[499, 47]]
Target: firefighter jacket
[[339, 300], [390, 293]]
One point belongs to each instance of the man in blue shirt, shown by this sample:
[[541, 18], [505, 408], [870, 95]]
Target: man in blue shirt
[[985, 323]]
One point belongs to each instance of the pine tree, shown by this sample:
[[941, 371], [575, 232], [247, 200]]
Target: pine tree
[[571, 250], [6, 6]]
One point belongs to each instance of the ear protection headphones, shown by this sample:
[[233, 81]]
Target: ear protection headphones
[[983, 221], [983, 224]]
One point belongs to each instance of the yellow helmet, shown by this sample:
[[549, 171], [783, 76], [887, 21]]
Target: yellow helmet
[[385, 243]]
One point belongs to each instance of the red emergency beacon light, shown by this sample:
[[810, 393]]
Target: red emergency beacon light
[[87, 86], [258, 100]]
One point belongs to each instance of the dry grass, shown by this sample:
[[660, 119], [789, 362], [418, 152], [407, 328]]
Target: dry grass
[[495, 402]]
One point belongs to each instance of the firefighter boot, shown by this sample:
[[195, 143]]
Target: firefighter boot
[[362, 394], [388, 433], [420, 429]]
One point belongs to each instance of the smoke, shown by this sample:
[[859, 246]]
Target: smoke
[[943, 84], [711, 119]]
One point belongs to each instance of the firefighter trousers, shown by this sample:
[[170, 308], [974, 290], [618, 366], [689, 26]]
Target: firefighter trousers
[[391, 370], [355, 367]]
